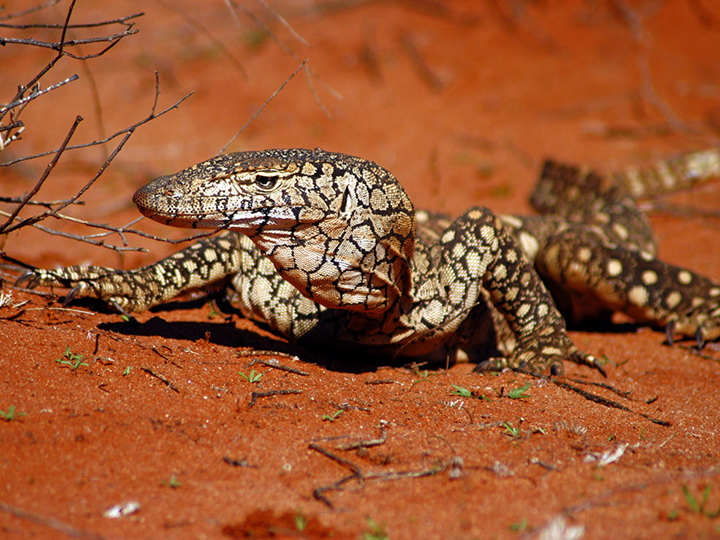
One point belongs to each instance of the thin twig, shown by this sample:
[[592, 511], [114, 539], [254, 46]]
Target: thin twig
[[366, 443], [262, 107], [357, 474], [276, 365], [204, 30], [162, 377], [47, 204], [51, 523], [256, 395], [120, 20], [60, 45], [284, 22], [37, 94], [420, 64], [654, 99], [33, 9], [133, 127], [43, 215], [342, 461], [41, 181]]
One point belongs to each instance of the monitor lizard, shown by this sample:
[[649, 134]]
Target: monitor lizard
[[328, 248]]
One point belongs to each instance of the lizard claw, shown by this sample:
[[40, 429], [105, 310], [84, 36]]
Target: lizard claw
[[28, 280], [489, 365], [700, 338], [597, 366], [557, 370], [74, 292], [670, 331]]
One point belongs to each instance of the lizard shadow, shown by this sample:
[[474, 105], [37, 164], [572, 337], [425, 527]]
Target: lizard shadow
[[225, 333]]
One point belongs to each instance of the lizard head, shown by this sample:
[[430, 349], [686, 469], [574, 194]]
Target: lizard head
[[339, 228]]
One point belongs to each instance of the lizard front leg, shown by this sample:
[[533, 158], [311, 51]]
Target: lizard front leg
[[197, 266], [480, 252]]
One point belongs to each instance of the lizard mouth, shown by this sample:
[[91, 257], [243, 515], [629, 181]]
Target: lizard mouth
[[178, 208]]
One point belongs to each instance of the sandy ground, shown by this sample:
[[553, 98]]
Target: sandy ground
[[461, 101]]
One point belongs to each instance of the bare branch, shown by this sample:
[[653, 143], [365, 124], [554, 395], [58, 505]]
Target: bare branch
[[284, 22], [60, 45], [309, 72], [5, 228], [29, 93], [145, 120], [37, 94], [121, 20], [47, 213], [194, 22], [48, 204], [30, 10], [262, 107]]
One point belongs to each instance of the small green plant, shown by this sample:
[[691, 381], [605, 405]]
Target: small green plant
[[173, 482], [464, 392], [125, 318], [252, 377], [71, 359], [460, 391], [604, 359], [424, 377], [519, 393], [511, 430], [376, 531], [300, 522], [333, 417], [11, 414], [519, 526], [126, 371], [699, 507]]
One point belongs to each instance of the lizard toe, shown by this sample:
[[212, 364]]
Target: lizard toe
[[28, 280], [557, 370], [490, 365]]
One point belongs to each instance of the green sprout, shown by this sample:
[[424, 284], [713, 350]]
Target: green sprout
[[519, 393], [333, 417], [424, 377], [699, 507], [300, 522], [511, 430], [252, 377], [71, 359], [460, 391], [173, 483], [376, 532], [11, 415]]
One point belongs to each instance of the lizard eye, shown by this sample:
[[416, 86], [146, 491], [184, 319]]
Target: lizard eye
[[266, 180]]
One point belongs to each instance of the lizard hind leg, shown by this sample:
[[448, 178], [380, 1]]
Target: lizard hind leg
[[614, 278]]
